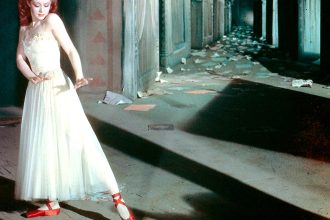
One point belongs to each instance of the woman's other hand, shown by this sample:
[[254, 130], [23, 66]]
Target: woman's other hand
[[82, 82], [38, 79]]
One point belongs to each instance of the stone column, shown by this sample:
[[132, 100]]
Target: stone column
[[216, 19], [130, 86], [197, 24], [264, 19], [222, 18], [275, 23], [201, 23], [309, 29], [208, 21], [227, 16], [230, 16], [141, 48]]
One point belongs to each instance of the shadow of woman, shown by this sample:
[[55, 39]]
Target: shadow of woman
[[7, 198], [211, 206], [85, 213]]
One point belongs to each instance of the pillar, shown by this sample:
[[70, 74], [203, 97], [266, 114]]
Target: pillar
[[201, 23], [228, 16], [222, 18], [141, 48], [275, 23], [264, 19], [309, 29]]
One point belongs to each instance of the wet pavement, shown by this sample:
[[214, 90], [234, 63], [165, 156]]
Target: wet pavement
[[224, 136]]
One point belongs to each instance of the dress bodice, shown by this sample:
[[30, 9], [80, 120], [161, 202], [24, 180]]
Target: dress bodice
[[43, 53]]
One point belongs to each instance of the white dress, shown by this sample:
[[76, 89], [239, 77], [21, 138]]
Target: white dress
[[60, 156]]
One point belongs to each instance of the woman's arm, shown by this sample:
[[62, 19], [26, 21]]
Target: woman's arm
[[21, 61], [57, 27]]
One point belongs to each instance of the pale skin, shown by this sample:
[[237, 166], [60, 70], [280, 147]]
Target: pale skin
[[52, 26]]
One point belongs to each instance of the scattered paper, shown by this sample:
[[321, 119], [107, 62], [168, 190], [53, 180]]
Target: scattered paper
[[302, 83], [158, 127], [115, 99], [218, 66], [169, 70], [215, 55], [141, 107], [243, 66], [192, 80], [200, 92], [262, 75], [141, 94], [235, 77], [199, 53], [158, 76]]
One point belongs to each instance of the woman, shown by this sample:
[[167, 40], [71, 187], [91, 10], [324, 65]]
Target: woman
[[60, 157]]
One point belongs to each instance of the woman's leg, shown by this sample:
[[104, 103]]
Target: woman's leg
[[124, 212]]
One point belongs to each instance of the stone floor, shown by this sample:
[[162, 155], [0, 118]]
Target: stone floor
[[223, 136]]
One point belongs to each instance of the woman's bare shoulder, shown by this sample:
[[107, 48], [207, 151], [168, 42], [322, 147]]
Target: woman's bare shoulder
[[53, 19], [22, 32], [22, 29]]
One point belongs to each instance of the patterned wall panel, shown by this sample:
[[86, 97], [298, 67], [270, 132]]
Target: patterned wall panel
[[97, 43], [96, 39]]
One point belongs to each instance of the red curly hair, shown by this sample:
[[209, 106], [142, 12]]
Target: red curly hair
[[25, 14]]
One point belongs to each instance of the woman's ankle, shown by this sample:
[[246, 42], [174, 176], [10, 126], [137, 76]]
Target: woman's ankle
[[50, 205]]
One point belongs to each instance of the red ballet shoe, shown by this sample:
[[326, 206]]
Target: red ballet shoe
[[117, 199], [37, 213]]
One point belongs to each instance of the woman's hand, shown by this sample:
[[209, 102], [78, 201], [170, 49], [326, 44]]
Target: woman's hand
[[38, 79], [82, 82]]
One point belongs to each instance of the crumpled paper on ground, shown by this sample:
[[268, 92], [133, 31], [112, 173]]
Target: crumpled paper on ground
[[302, 83]]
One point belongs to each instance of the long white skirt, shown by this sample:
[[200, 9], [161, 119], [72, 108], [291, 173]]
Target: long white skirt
[[60, 156]]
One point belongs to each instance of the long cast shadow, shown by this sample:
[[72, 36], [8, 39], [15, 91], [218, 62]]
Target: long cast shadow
[[7, 200], [85, 213], [248, 200], [267, 117], [209, 206]]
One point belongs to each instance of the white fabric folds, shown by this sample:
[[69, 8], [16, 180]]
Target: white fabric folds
[[60, 156]]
